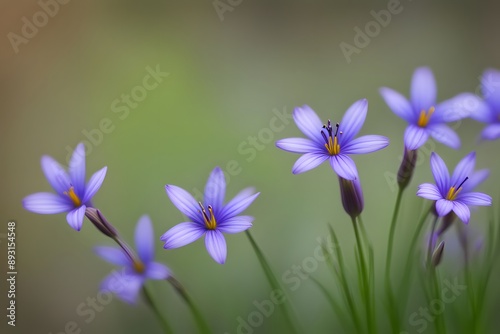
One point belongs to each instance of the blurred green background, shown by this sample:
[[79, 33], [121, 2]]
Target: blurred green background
[[227, 80]]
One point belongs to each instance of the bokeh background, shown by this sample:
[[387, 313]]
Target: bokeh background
[[228, 78]]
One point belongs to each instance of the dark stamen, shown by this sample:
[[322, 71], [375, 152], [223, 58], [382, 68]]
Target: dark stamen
[[463, 182], [324, 136], [336, 132], [203, 212]]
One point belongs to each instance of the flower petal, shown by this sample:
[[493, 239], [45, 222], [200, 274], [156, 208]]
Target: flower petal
[[474, 198], [308, 161], [94, 184], [144, 239], [462, 211], [309, 123], [429, 191], [344, 166], [215, 190], [125, 285], [236, 224], [491, 87], [415, 137], [475, 179], [75, 217], [157, 271], [55, 174], [491, 132], [182, 234], [365, 144], [113, 255], [440, 173], [352, 121], [47, 203], [77, 170], [398, 104], [458, 107], [423, 89], [445, 135], [443, 207], [184, 202], [236, 206], [216, 246], [299, 145], [464, 168]]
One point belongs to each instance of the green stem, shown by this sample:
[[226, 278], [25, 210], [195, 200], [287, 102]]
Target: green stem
[[341, 274], [200, 321], [272, 281], [430, 249], [365, 279], [334, 303], [403, 290], [440, 321], [393, 310], [154, 307]]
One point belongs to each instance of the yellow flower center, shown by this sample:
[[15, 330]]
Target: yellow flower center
[[425, 117], [73, 196], [139, 266], [208, 218], [453, 191], [332, 141]]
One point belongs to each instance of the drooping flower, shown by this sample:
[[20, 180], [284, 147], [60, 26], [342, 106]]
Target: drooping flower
[[73, 195], [424, 116], [127, 282], [489, 111], [326, 142], [211, 218], [455, 193]]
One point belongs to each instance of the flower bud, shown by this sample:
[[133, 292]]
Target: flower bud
[[96, 217], [352, 196], [437, 255], [407, 167]]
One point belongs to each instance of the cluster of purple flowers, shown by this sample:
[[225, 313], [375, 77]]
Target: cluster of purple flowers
[[325, 141]]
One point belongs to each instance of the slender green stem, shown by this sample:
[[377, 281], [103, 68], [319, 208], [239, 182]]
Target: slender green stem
[[365, 279], [393, 310], [467, 276], [275, 285], [341, 274], [404, 287], [440, 320], [430, 244], [333, 303], [200, 321], [163, 321]]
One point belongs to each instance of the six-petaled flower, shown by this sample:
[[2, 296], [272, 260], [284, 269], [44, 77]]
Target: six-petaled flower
[[424, 116], [333, 143], [455, 192], [127, 282], [73, 195], [210, 218]]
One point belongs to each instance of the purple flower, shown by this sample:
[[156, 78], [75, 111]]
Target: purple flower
[[210, 218], [325, 142], [426, 118], [489, 110], [455, 192], [136, 269], [73, 195]]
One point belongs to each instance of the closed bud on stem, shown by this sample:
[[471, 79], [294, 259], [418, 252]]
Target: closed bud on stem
[[352, 196], [407, 167], [96, 217], [437, 255]]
